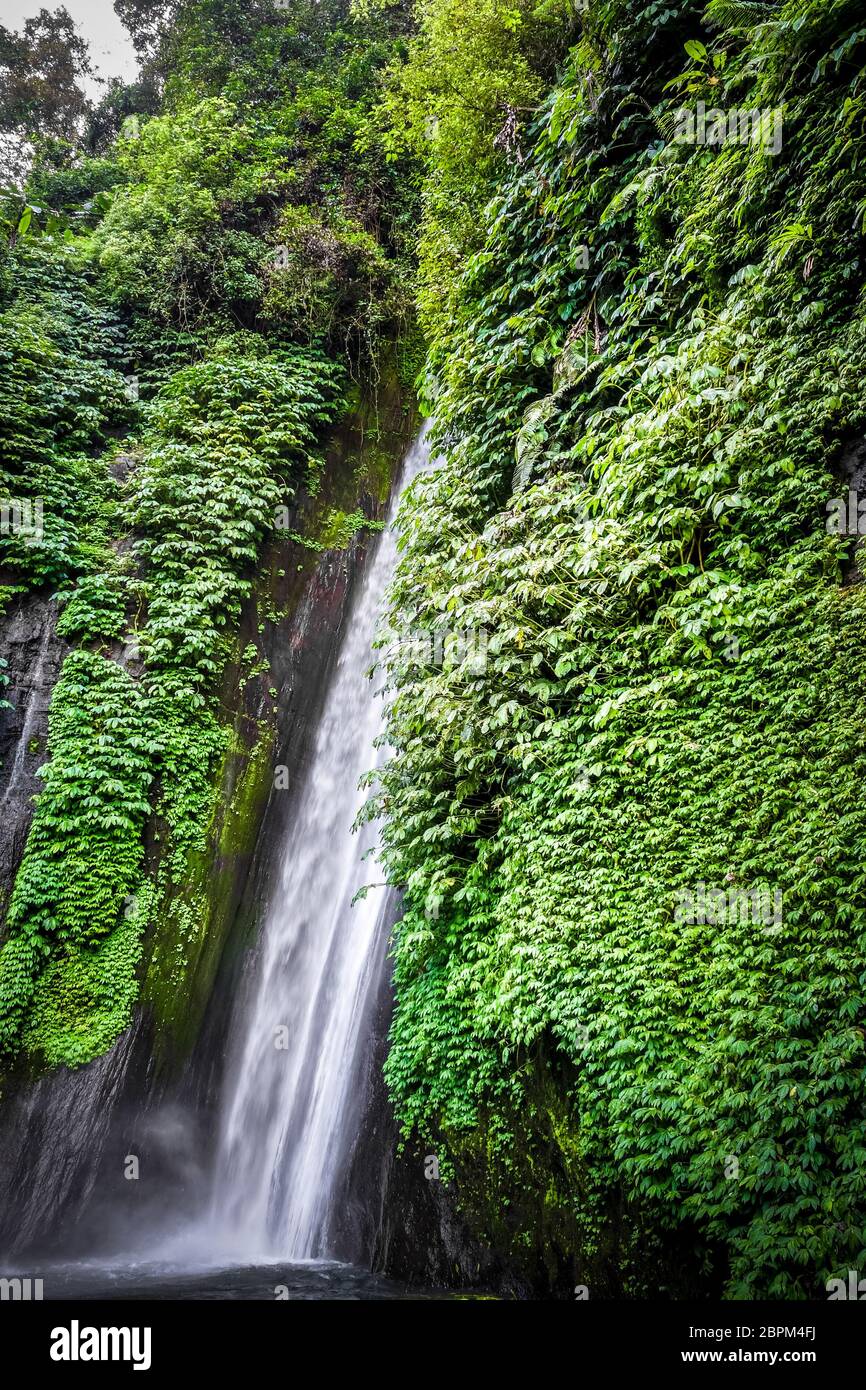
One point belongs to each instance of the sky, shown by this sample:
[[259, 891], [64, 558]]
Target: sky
[[111, 50]]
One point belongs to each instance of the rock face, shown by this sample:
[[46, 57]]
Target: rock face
[[33, 653], [395, 1214]]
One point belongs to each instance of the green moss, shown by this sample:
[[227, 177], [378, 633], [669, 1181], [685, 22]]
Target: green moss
[[377, 471], [198, 898], [338, 528]]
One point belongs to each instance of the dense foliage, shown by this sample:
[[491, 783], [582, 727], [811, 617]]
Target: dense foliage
[[61, 397], [81, 869], [648, 389]]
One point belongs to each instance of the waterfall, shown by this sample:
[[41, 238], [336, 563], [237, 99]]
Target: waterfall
[[287, 1115]]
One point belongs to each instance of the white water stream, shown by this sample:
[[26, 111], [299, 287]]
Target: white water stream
[[287, 1115]]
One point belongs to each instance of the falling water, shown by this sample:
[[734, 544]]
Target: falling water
[[287, 1114]]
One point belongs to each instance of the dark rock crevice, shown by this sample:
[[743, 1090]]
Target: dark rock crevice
[[33, 652]]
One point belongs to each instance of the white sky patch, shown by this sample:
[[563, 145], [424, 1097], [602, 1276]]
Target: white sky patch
[[111, 50]]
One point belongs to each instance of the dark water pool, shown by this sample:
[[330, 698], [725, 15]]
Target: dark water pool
[[308, 1281]]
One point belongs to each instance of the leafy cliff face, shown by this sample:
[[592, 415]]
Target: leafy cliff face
[[170, 371], [648, 387]]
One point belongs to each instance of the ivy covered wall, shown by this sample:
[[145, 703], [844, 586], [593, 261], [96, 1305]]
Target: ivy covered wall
[[647, 380]]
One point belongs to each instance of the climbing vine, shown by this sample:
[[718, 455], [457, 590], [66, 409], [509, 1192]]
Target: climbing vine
[[647, 392]]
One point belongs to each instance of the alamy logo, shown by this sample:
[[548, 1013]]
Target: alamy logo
[[854, 1289], [847, 520], [21, 1290], [22, 517], [432, 906], [734, 127], [720, 907], [76, 1343], [427, 647]]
